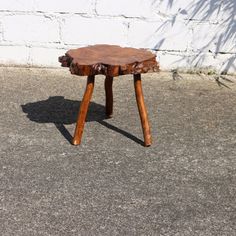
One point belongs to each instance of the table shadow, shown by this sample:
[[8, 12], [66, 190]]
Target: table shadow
[[61, 111]]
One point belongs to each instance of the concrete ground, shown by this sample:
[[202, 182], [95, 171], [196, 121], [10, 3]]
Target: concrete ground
[[184, 184]]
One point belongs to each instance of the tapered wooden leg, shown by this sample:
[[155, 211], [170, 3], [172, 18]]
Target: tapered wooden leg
[[109, 96], [142, 110], [83, 111]]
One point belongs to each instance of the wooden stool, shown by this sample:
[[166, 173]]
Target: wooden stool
[[111, 61]]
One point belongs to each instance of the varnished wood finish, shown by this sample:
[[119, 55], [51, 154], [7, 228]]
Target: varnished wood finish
[[109, 96], [142, 110], [109, 60], [83, 110]]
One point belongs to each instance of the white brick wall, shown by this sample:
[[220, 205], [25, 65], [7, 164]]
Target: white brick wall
[[137, 8], [84, 30], [183, 33], [24, 29]]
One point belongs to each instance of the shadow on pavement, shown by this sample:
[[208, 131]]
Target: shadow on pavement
[[61, 111]]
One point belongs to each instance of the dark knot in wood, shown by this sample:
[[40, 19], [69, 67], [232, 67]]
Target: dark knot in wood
[[99, 68], [65, 61]]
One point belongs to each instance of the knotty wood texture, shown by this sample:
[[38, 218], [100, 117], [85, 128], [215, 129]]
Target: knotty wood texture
[[109, 60]]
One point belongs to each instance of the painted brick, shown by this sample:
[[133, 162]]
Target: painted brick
[[30, 28], [17, 5], [213, 37], [172, 60], [205, 11], [71, 6], [11, 55], [39, 56], [185, 31], [170, 8], [83, 6], [81, 30], [186, 9], [1, 31], [131, 8], [220, 62], [159, 35]]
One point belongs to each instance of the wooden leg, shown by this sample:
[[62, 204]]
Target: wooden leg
[[109, 96], [83, 111], [142, 110]]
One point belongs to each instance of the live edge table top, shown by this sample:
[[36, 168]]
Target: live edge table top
[[109, 60]]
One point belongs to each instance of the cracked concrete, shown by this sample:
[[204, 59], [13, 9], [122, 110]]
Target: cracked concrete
[[184, 184]]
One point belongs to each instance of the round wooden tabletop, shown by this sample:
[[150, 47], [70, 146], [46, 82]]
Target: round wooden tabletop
[[109, 60]]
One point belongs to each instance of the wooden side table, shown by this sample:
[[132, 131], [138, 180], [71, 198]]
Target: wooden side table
[[111, 61]]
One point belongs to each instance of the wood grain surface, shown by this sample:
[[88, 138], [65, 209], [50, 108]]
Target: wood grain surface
[[109, 60]]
